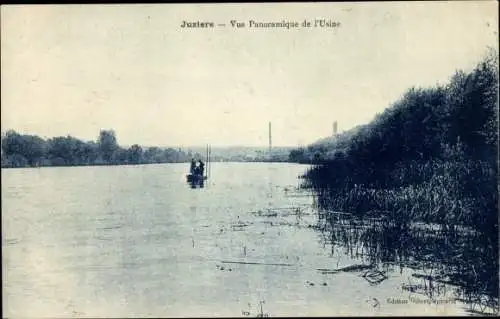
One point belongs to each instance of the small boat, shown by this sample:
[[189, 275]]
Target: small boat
[[198, 179], [195, 178]]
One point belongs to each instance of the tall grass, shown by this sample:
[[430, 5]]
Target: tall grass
[[433, 158], [439, 256]]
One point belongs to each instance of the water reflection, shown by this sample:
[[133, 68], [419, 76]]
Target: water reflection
[[197, 184], [440, 259]]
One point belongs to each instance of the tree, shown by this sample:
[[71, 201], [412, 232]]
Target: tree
[[107, 144], [153, 155], [30, 147], [135, 154], [120, 156], [297, 155]]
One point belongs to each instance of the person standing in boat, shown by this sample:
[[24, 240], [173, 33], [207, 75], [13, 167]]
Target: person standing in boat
[[192, 170], [201, 167]]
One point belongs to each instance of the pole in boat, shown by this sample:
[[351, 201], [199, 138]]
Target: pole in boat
[[207, 159], [208, 163]]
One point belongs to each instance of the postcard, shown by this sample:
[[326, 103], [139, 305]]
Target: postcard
[[250, 160]]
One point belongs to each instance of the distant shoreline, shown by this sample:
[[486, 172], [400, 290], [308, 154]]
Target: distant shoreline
[[144, 164], [25, 150]]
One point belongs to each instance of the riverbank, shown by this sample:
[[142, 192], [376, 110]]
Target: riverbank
[[430, 158]]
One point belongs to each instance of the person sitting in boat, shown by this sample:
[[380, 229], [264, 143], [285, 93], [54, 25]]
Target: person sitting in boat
[[192, 170], [201, 167]]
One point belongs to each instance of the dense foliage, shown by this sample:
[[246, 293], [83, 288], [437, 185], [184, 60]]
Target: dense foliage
[[431, 157], [443, 138], [20, 150]]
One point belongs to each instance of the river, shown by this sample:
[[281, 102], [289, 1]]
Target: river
[[137, 241]]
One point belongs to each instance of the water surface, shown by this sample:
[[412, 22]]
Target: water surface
[[139, 241]]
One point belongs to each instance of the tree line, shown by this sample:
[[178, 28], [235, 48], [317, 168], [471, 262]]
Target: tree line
[[24, 150]]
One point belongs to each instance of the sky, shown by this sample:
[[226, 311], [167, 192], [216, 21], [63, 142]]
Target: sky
[[77, 69]]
